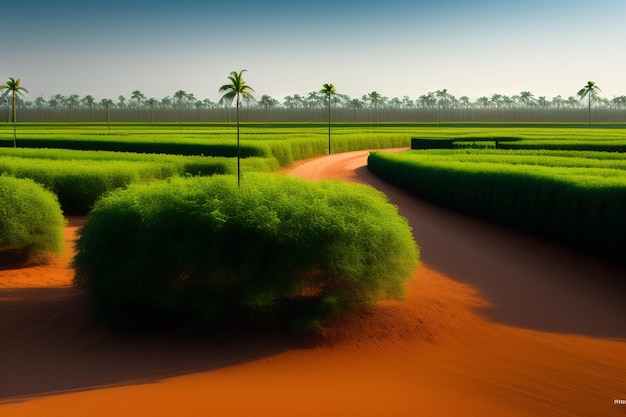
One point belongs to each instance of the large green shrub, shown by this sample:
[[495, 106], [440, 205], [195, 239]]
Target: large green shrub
[[31, 221], [202, 250]]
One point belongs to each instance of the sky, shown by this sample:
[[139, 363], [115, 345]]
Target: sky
[[395, 47]]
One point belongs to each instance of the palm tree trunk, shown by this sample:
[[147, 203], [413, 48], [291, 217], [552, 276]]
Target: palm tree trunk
[[14, 120], [238, 148], [589, 108], [328, 124]]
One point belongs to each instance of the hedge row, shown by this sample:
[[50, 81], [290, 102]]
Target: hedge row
[[80, 177], [201, 250], [198, 147], [544, 158], [287, 151], [289, 148], [31, 222], [569, 145], [579, 206], [78, 183]]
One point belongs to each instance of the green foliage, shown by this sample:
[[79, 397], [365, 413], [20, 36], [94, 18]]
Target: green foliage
[[79, 178], [174, 148], [569, 145], [31, 221], [573, 197], [279, 248]]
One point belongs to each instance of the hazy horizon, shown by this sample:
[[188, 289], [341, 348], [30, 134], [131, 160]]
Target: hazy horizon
[[397, 47]]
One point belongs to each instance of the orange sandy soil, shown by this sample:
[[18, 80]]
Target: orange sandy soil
[[496, 323]]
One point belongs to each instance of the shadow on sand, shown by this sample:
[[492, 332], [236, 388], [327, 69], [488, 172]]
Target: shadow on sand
[[529, 282], [50, 345]]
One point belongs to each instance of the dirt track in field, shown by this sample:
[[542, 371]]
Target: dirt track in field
[[495, 323]]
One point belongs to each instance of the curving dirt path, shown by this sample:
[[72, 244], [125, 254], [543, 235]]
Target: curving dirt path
[[495, 323]]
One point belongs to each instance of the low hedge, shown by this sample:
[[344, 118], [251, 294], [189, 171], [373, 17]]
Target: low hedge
[[80, 178], [198, 147], [31, 221], [201, 250], [567, 145], [581, 206]]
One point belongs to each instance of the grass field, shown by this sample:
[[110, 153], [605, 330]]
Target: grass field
[[264, 148]]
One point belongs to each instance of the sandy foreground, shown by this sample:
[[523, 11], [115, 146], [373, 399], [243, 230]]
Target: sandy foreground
[[496, 323]]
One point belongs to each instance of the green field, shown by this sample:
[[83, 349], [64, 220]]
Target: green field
[[209, 148], [573, 197]]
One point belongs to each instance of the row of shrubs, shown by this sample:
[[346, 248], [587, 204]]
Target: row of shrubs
[[199, 147], [569, 145], [511, 143], [579, 206], [279, 249], [31, 221], [544, 158], [79, 178], [285, 151]]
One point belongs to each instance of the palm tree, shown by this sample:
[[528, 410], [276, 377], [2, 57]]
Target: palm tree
[[356, 104], [13, 86], [107, 103], [239, 90], [328, 90], [268, 102], [375, 99], [151, 102], [88, 101], [443, 99], [590, 90], [137, 98], [179, 96], [72, 102], [526, 99]]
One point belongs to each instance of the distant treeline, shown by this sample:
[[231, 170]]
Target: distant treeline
[[434, 107], [317, 115]]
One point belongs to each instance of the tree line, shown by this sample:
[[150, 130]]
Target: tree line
[[315, 99], [432, 107]]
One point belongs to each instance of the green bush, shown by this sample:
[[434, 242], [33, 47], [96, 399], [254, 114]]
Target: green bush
[[31, 221], [278, 248]]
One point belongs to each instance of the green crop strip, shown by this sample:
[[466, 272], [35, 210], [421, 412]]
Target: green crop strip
[[575, 198]]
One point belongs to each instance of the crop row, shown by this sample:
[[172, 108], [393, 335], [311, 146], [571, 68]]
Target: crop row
[[212, 148], [580, 203], [79, 178], [286, 144], [571, 145], [546, 158]]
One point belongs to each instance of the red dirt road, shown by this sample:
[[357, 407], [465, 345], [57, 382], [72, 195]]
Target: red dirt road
[[495, 323]]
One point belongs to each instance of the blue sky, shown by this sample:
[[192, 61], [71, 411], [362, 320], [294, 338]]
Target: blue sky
[[396, 47]]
